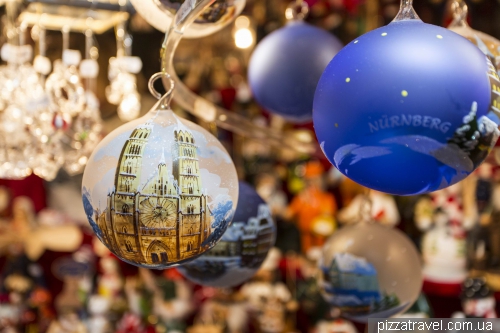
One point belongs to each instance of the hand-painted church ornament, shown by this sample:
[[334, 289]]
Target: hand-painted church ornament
[[159, 191], [242, 249], [408, 108], [370, 271], [287, 65]]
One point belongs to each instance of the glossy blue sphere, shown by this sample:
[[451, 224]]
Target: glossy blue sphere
[[242, 248], [286, 66], [408, 108]]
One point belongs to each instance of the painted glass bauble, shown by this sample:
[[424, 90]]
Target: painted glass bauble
[[159, 191], [407, 108], [160, 14], [370, 271], [243, 247], [286, 66]]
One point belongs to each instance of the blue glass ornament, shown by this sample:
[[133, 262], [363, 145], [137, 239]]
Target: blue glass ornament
[[408, 108], [243, 247], [286, 66]]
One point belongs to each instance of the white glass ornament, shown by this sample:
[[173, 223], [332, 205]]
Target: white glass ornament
[[370, 271], [122, 90], [159, 191]]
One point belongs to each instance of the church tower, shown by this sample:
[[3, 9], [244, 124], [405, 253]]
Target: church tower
[[186, 164], [193, 207], [123, 201]]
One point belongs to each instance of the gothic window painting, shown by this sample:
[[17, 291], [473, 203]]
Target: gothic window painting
[[154, 257], [124, 230], [127, 185], [128, 246], [125, 210]]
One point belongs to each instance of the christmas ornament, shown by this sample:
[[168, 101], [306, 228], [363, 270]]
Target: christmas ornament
[[161, 13], [370, 271], [122, 90], [242, 249], [159, 191], [426, 124], [287, 65], [489, 45]]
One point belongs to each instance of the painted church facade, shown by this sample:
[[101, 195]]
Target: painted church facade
[[165, 221]]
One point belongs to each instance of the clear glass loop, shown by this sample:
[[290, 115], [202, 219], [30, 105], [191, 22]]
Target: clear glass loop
[[297, 11], [406, 12], [167, 97]]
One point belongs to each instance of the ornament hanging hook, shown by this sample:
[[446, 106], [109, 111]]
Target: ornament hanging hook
[[167, 97], [460, 11], [297, 10], [406, 12]]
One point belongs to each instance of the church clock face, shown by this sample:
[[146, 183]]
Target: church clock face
[[158, 213]]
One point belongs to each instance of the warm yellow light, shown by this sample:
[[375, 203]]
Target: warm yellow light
[[243, 38]]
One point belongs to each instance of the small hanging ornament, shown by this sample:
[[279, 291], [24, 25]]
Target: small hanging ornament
[[123, 68], [286, 65], [242, 249], [407, 108], [64, 86], [85, 131], [160, 191], [369, 270]]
